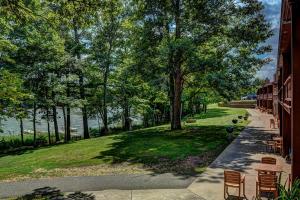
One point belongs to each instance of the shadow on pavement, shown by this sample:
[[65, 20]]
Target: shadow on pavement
[[239, 155], [52, 193]]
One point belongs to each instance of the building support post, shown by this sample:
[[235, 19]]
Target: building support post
[[295, 113], [286, 124]]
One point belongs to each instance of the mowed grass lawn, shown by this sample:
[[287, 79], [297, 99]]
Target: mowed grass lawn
[[156, 149]]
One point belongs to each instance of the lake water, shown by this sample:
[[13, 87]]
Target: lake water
[[11, 126]]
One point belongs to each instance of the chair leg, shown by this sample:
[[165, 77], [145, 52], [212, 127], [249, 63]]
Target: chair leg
[[275, 194], [256, 191], [244, 189], [224, 191]]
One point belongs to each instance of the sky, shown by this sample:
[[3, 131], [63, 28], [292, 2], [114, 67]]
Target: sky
[[272, 14]]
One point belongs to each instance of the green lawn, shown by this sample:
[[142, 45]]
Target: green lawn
[[156, 149]]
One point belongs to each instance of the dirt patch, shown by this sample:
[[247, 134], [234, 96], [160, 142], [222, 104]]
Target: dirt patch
[[182, 166]]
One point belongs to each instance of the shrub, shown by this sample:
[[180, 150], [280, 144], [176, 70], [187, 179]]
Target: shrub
[[191, 120], [234, 121], [229, 129], [240, 116], [41, 140], [94, 132], [290, 194]]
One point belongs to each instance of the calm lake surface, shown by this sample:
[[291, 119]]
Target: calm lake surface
[[11, 126]]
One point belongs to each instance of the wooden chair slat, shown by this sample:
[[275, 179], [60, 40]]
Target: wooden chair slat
[[268, 160]]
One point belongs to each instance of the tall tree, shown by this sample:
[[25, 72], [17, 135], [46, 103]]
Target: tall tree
[[105, 46], [76, 19], [183, 27]]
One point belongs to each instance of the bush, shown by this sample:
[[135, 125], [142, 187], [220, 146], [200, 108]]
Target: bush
[[234, 121], [229, 129], [240, 116], [191, 120], [94, 132], [290, 194], [3, 144], [42, 140]]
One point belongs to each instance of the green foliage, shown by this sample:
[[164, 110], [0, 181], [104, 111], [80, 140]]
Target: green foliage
[[292, 193], [13, 142], [190, 120], [146, 147], [118, 60]]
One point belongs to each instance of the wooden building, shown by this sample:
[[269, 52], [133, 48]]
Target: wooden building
[[288, 76], [286, 93], [264, 97]]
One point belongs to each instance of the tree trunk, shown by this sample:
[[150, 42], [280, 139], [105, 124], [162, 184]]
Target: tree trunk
[[105, 82], [99, 123], [55, 124], [176, 73], [65, 124], [171, 95], [22, 131], [68, 127], [127, 122], [68, 117], [48, 127], [34, 123], [176, 121], [86, 134], [105, 123]]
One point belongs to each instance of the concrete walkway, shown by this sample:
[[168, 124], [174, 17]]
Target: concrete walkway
[[98, 183], [242, 154]]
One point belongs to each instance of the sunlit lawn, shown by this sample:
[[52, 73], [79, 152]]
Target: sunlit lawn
[[146, 147]]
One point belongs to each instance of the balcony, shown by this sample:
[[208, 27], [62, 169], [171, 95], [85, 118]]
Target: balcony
[[269, 96], [286, 95], [288, 90]]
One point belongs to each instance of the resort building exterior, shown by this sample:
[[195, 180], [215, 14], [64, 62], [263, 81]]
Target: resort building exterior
[[282, 97], [265, 98]]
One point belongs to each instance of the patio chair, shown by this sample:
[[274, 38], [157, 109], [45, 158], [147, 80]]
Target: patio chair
[[278, 146], [270, 145], [266, 183], [234, 179], [278, 122], [272, 123], [268, 160]]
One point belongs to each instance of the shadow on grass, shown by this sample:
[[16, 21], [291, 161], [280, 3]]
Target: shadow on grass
[[29, 149], [161, 150], [53, 193], [212, 113]]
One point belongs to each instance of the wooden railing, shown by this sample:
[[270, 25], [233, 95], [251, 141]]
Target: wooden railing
[[288, 90], [286, 95], [269, 95]]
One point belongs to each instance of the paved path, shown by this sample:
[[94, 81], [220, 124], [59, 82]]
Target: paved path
[[96, 183], [241, 154]]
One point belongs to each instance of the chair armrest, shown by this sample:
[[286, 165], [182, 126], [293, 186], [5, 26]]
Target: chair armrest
[[243, 178]]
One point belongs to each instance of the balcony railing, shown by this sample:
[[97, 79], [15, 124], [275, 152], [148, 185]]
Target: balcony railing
[[288, 90], [269, 95], [286, 95]]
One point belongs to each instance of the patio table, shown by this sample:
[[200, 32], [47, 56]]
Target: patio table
[[277, 138], [268, 167]]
